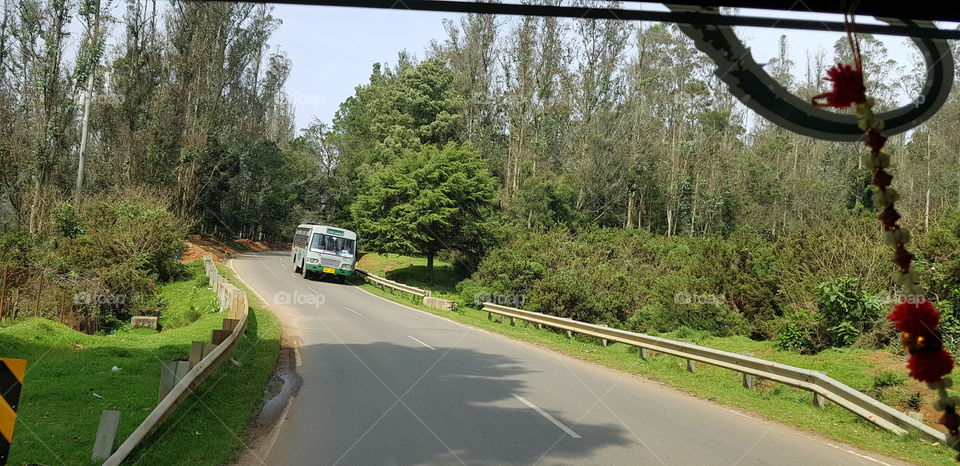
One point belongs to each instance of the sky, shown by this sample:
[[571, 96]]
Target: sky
[[333, 49]]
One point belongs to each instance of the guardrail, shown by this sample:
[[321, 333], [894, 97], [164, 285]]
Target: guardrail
[[384, 283], [234, 301], [818, 383]]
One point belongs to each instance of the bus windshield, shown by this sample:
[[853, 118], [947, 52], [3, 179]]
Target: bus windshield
[[332, 245]]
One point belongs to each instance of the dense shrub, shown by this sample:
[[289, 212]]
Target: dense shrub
[[802, 332], [807, 290], [847, 310], [114, 247], [629, 279]]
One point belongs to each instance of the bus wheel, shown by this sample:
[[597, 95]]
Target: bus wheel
[[297, 268]]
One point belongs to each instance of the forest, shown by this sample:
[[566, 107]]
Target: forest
[[596, 167]]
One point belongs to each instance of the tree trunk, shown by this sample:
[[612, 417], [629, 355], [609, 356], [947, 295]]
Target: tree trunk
[[430, 266]]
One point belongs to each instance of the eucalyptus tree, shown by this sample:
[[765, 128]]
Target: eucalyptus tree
[[44, 125]]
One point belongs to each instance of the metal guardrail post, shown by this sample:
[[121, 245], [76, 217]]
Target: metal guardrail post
[[747, 378], [818, 399]]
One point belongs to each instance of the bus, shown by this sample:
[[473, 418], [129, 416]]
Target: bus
[[328, 250]]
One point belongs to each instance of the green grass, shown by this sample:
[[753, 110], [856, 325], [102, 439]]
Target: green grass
[[861, 369], [412, 271], [187, 301], [69, 382]]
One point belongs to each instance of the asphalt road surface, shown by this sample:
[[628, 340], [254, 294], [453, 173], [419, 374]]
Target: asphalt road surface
[[384, 384]]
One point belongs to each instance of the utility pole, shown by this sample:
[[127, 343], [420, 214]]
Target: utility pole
[[88, 96]]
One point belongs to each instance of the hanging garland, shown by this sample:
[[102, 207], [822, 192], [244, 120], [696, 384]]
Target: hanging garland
[[917, 319]]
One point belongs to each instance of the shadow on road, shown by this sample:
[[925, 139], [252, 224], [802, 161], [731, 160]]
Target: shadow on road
[[456, 405]]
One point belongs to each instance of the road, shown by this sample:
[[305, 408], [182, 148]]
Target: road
[[384, 384]]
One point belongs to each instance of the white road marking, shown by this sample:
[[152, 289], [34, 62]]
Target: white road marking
[[355, 312], [741, 414], [547, 415], [838, 447], [553, 420], [254, 290], [422, 343], [314, 290], [283, 265], [296, 355], [381, 298]]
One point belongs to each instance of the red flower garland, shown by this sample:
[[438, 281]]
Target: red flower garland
[[915, 318], [848, 87], [919, 322], [930, 367]]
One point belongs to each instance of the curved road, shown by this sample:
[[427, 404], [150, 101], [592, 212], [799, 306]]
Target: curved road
[[384, 384]]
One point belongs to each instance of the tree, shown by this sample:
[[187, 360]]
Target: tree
[[399, 110], [428, 200]]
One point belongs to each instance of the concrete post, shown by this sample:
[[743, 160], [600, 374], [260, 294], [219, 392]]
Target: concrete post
[[196, 352], [691, 365], [168, 373], [644, 354], [106, 440]]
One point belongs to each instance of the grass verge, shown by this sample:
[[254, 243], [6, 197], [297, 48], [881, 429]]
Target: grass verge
[[861, 369], [70, 380], [412, 271]]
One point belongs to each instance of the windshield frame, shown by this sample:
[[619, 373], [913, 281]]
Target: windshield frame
[[316, 245]]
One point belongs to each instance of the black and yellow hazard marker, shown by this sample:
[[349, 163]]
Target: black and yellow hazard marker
[[11, 380]]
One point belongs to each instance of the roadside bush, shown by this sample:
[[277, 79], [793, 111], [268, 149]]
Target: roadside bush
[[938, 257], [807, 289], [950, 322], [887, 379], [626, 278], [802, 332], [471, 293], [18, 249], [847, 310], [114, 247], [792, 338]]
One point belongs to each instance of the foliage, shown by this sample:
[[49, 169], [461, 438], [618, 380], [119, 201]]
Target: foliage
[[190, 101], [887, 379], [65, 222], [792, 338], [855, 367], [116, 247], [626, 279], [427, 201], [847, 310], [68, 367], [184, 302]]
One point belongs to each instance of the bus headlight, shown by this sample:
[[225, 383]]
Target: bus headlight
[[312, 260]]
